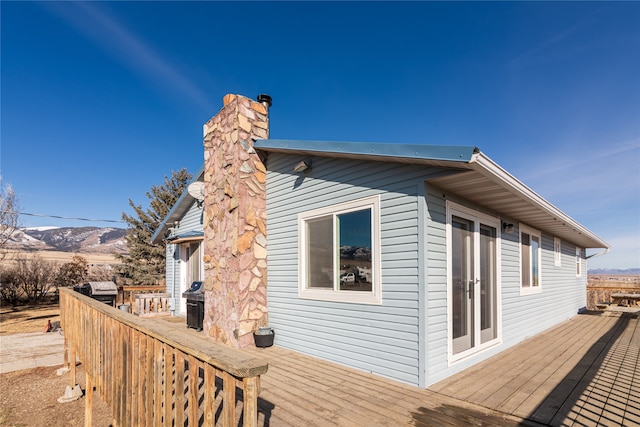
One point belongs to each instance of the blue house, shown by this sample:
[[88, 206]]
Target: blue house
[[183, 235], [412, 262]]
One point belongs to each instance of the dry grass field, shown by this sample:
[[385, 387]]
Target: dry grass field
[[62, 257], [27, 318], [614, 280]]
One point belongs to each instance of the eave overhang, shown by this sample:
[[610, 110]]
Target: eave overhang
[[191, 236], [177, 211], [476, 178]]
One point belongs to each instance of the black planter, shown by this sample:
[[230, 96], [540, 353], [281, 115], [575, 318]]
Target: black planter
[[264, 340]]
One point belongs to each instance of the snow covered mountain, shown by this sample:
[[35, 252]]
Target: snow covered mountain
[[105, 240]]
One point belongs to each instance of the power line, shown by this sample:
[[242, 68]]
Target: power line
[[70, 217]]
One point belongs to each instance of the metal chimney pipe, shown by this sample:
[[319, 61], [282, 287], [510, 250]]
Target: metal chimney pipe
[[265, 100]]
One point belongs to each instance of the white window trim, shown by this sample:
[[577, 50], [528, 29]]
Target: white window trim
[[578, 261], [532, 232], [557, 252], [359, 297]]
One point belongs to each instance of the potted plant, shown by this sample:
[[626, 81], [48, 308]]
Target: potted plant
[[263, 337]]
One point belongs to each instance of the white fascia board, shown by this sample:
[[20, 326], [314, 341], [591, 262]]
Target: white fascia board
[[483, 164]]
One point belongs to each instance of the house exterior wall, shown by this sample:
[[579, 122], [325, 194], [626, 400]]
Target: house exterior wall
[[191, 221], [406, 337], [562, 293], [384, 339]]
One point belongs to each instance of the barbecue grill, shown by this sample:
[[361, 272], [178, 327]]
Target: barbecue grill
[[195, 305], [105, 292]]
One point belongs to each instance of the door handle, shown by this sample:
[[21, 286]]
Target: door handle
[[470, 288]]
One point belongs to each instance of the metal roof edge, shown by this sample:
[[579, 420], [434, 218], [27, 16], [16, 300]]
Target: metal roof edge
[[454, 153], [485, 164], [155, 238]]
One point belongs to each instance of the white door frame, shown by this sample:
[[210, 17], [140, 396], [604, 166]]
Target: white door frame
[[454, 209]]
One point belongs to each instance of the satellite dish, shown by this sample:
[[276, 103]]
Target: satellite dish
[[196, 190]]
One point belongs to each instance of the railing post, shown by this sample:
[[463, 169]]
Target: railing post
[[72, 367], [65, 355], [88, 404], [250, 415], [229, 399]]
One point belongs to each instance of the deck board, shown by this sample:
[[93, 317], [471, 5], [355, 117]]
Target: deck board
[[582, 372]]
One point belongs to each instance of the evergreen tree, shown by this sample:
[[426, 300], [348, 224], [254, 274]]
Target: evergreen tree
[[145, 263]]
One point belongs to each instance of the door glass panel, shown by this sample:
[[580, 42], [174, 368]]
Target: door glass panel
[[488, 281], [462, 261]]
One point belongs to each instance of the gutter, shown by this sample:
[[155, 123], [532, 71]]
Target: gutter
[[606, 251], [484, 164]]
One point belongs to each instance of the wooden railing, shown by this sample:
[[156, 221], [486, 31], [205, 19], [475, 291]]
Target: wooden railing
[[127, 293], [602, 295], [152, 305], [152, 374]]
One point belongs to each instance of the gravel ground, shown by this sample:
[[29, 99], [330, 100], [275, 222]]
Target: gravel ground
[[29, 384]]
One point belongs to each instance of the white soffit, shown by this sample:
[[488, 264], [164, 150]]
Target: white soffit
[[488, 185]]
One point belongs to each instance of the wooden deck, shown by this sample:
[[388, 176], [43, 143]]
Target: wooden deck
[[583, 372]]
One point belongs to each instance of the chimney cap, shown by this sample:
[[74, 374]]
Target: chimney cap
[[264, 99]]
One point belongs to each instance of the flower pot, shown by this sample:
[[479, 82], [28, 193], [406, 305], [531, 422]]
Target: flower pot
[[264, 337]]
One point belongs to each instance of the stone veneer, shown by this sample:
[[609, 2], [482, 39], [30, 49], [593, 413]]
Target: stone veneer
[[235, 244]]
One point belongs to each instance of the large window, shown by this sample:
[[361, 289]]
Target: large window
[[340, 252], [530, 260]]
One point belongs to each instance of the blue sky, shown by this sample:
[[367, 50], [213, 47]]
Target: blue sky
[[101, 100]]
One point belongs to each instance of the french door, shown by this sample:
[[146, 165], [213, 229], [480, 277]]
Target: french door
[[473, 281]]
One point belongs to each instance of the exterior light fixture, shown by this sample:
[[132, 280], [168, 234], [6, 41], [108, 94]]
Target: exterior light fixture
[[508, 228], [302, 166]]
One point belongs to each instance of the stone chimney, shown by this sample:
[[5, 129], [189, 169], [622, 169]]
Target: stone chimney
[[235, 244]]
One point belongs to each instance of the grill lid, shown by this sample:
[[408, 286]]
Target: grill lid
[[102, 288], [195, 292]]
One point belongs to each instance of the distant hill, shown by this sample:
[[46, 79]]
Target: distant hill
[[615, 271], [93, 240]]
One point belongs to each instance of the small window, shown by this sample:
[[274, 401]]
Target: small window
[[578, 262], [557, 252], [340, 252], [530, 260]]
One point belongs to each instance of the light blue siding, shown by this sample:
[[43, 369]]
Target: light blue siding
[[406, 337], [384, 339], [563, 294], [191, 221]]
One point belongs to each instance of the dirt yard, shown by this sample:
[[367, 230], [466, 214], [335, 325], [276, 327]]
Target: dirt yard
[[30, 397], [27, 318]]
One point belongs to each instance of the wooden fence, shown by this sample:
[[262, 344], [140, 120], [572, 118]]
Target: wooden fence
[[127, 293], [601, 295], [151, 374], [152, 305]]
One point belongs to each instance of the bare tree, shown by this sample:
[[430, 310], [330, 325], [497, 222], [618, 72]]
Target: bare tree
[[72, 273], [101, 273], [9, 289], [9, 208], [34, 276]]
